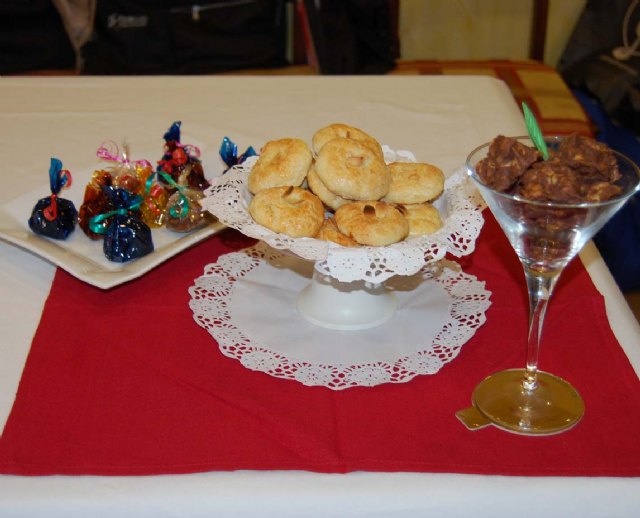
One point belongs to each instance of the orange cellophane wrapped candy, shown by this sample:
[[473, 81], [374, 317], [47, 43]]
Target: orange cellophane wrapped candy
[[127, 174], [132, 177], [154, 206], [95, 201]]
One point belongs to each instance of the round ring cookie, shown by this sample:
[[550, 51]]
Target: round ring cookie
[[373, 223], [281, 162], [423, 218], [338, 130], [330, 232], [414, 183], [316, 186], [288, 210], [351, 170]]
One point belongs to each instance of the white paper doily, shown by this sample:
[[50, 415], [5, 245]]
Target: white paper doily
[[246, 301], [459, 205]]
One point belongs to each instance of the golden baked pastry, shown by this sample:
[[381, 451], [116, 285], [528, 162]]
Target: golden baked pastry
[[414, 183], [281, 162], [288, 210], [327, 197], [373, 223], [338, 130], [423, 218], [330, 232], [351, 170]]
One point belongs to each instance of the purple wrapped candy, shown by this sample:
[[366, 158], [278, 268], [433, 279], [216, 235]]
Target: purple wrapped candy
[[52, 216]]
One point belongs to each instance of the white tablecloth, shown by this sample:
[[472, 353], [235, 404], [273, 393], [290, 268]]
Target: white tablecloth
[[440, 119]]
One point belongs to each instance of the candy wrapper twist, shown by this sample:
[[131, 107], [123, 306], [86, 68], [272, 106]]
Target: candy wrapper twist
[[229, 153], [126, 173], [52, 216]]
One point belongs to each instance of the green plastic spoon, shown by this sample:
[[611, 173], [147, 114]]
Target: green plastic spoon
[[534, 131]]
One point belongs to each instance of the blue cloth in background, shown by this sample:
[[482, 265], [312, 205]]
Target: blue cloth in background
[[619, 240]]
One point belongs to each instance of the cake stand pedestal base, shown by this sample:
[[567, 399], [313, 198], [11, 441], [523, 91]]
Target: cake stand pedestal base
[[357, 305]]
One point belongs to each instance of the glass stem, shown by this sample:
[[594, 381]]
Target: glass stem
[[540, 287]]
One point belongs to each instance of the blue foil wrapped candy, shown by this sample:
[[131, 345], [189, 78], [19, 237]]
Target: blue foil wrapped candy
[[52, 216], [126, 236], [229, 153]]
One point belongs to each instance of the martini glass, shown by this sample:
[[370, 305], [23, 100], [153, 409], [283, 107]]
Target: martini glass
[[545, 237]]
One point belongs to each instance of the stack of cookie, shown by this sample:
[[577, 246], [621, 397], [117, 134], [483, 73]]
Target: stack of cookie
[[343, 191]]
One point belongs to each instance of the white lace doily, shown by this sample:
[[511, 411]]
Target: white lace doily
[[246, 301], [460, 207]]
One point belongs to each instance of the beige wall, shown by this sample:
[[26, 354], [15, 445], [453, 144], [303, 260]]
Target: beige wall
[[563, 16], [481, 29]]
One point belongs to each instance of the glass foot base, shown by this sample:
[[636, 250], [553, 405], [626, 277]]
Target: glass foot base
[[552, 407]]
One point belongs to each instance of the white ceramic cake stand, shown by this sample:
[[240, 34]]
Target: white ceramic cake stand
[[355, 305], [347, 290]]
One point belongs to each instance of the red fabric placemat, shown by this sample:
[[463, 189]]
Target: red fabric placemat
[[124, 382]]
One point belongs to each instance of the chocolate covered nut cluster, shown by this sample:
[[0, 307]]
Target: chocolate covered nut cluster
[[579, 170], [557, 191]]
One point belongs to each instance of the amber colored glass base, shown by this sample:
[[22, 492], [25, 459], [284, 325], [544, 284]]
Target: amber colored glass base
[[552, 407]]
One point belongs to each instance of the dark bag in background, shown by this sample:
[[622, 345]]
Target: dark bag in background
[[351, 36], [182, 37], [32, 37], [619, 240], [608, 89], [591, 61]]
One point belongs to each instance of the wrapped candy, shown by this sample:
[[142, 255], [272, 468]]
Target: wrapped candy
[[52, 216], [229, 153], [184, 212], [121, 172], [127, 174], [95, 201], [154, 204], [126, 236], [181, 161]]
